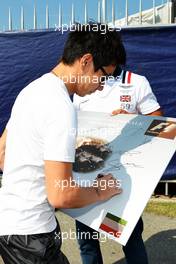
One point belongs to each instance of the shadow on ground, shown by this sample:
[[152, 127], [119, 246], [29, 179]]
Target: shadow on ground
[[161, 248]]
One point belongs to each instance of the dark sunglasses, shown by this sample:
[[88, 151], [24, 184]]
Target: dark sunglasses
[[105, 76]]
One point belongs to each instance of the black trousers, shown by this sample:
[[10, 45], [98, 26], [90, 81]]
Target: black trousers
[[33, 249]]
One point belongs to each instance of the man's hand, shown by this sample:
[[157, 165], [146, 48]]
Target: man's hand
[[107, 186], [119, 111]]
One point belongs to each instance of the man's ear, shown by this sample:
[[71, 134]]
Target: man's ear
[[86, 59]]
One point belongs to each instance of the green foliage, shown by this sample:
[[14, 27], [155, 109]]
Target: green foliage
[[162, 208]]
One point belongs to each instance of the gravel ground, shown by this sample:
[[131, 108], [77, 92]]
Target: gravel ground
[[159, 236]]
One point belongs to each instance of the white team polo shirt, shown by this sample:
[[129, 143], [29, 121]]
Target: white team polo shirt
[[134, 95], [42, 127]]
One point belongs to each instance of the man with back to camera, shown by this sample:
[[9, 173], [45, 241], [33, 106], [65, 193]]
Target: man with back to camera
[[126, 93], [39, 148]]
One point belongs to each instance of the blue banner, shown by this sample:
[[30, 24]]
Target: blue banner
[[150, 52]]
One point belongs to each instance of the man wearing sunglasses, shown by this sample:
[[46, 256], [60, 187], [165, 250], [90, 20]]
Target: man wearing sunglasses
[[125, 93], [39, 148]]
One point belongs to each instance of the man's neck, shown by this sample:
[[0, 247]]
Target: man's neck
[[65, 73]]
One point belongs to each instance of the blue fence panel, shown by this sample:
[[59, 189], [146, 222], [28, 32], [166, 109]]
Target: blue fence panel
[[150, 51]]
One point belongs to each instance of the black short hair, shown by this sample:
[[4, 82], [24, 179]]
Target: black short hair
[[103, 42]]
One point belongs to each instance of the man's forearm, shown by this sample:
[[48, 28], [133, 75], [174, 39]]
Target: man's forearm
[[158, 112], [63, 192], [76, 196], [2, 148], [2, 161]]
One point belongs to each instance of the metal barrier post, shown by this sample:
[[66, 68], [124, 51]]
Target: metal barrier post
[[113, 13], [47, 17], [104, 11], [99, 12], [140, 12], [60, 16], [154, 12], [22, 18], [73, 15], [126, 13], [85, 13], [10, 20], [35, 18]]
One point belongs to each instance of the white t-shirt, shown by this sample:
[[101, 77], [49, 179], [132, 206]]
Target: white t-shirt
[[134, 95], [42, 127]]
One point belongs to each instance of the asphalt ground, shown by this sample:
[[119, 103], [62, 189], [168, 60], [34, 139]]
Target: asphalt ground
[[159, 236]]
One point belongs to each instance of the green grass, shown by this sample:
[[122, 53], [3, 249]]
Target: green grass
[[162, 208]]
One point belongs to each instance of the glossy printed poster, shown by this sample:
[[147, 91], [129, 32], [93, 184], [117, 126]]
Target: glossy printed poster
[[137, 151]]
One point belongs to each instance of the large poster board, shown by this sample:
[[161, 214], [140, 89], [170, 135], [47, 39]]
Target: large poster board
[[141, 148]]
